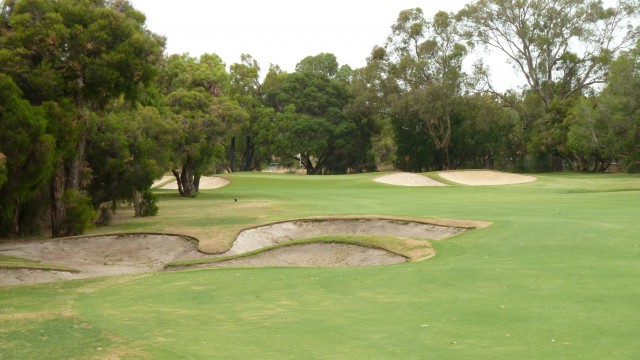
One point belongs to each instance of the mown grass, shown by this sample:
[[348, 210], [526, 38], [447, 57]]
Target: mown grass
[[555, 277]]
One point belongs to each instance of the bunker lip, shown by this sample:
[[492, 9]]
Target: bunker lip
[[119, 254], [407, 179], [267, 235], [206, 183], [485, 177]]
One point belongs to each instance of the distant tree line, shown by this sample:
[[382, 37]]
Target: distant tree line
[[92, 110]]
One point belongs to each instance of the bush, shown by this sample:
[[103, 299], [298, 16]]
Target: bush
[[79, 212], [148, 206]]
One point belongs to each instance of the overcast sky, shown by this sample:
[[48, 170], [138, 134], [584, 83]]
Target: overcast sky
[[283, 32]]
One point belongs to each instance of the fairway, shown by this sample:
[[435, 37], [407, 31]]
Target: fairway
[[555, 276]]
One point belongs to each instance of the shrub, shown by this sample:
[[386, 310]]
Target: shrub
[[79, 212], [148, 206]]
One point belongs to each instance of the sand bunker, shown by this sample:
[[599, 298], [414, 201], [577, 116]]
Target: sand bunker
[[129, 254], [316, 255], [96, 256], [269, 235], [407, 179], [485, 177], [206, 182]]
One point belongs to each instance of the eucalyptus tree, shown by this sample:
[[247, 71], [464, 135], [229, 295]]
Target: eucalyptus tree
[[245, 146], [197, 101], [425, 59], [606, 128], [76, 56], [127, 149], [26, 158], [561, 47], [314, 124]]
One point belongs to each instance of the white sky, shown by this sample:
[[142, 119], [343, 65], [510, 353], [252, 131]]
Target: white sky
[[283, 32]]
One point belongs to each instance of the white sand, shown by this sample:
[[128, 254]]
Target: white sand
[[268, 235], [485, 177], [407, 179], [206, 182], [96, 256]]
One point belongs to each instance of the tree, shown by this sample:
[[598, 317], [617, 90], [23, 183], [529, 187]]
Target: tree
[[77, 55], [314, 125], [196, 99], [245, 148], [562, 47], [127, 149], [425, 58], [26, 158]]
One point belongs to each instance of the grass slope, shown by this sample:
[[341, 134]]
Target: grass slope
[[555, 276]]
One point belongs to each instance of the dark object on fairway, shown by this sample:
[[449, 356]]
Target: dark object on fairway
[[236, 200]]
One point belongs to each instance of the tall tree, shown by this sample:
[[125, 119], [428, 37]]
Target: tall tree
[[26, 158], [79, 52], [314, 124], [426, 60], [245, 148], [196, 95], [561, 47]]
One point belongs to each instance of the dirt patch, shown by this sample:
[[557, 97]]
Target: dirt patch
[[407, 179], [206, 182], [96, 256], [485, 177], [316, 255]]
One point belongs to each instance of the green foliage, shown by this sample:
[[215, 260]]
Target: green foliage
[[27, 157], [79, 212], [127, 149], [315, 124], [149, 206], [558, 48]]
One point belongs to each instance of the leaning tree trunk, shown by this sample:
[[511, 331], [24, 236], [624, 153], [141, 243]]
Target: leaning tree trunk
[[185, 179]]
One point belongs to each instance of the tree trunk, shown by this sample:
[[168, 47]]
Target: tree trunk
[[231, 152], [186, 180], [176, 174], [67, 176], [137, 203], [196, 182], [247, 158], [58, 210]]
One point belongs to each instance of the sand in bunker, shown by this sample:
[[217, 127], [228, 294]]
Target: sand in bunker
[[316, 255], [407, 179], [206, 182], [485, 177], [269, 235], [96, 256]]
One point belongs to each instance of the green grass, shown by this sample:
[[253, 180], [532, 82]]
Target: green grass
[[557, 276]]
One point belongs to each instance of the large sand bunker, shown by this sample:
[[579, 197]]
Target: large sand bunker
[[316, 255], [206, 182], [136, 253], [273, 234], [96, 256], [407, 179], [485, 177]]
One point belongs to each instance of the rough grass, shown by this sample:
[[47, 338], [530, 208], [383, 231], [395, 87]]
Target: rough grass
[[554, 277], [13, 262]]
